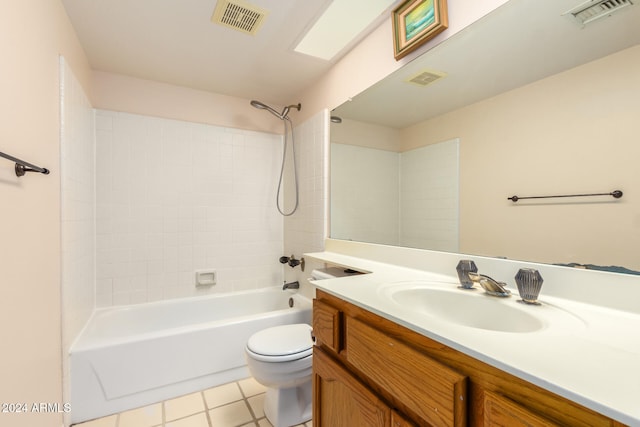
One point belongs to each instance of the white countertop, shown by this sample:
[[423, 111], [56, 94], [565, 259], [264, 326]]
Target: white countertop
[[590, 355]]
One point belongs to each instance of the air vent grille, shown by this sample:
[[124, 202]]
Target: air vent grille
[[425, 77], [595, 9], [239, 16]]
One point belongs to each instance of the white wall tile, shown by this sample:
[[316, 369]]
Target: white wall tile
[[430, 186], [78, 227], [420, 206], [304, 232], [175, 196]]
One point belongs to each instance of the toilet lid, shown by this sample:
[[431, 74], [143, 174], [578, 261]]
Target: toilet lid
[[282, 340]]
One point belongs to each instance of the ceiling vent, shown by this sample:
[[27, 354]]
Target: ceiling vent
[[239, 16], [595, 9], [425, 77]]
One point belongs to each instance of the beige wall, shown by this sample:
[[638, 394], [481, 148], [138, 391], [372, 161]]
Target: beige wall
[[117, 92], [372, 59], [354, 132], [575, 132], [33, 33]]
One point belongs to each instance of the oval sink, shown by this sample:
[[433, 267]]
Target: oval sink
[[468, 309], [473, 308]]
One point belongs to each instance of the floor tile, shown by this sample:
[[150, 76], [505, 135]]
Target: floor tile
[[109, 421], [233, 414], [198, 420], [147, 416], [251, 387], [257, 405], [222, 395], [183, 406], [236, 404]]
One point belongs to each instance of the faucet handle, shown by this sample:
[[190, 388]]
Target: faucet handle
[[529, 281], [463, 269]]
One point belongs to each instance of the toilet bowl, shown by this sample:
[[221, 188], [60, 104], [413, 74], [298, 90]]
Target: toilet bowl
[[280, 359]]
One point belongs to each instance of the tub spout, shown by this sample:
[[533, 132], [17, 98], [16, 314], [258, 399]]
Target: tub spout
[[292, 285]]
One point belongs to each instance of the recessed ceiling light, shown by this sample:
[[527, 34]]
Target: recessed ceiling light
[[341, 23]]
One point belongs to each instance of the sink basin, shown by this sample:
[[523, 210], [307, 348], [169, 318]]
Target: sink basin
[[470, 308]]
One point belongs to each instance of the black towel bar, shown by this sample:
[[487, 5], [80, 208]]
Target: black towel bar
[[616, 194], [23, 167]]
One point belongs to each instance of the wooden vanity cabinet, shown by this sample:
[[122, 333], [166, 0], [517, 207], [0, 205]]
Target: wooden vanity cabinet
[[369, 371]]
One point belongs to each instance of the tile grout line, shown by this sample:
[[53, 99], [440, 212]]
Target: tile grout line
[[206, 409], [246, 402], [255, 419]]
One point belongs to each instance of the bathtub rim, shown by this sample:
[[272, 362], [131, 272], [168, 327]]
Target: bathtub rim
[[77, 345]]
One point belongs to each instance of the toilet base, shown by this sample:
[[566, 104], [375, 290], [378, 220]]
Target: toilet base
[[285, 407]]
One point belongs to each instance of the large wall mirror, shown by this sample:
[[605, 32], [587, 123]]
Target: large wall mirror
[[527, 101]]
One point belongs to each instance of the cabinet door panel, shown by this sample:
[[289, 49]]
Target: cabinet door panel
[[340, 400], [327, 325], [397, 420], [436, 393]]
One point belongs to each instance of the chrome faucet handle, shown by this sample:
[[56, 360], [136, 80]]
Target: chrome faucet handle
[[529, 282], [490, 286], [464, 267]]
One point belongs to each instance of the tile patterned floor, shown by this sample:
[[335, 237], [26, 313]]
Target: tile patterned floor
[[238, 404]]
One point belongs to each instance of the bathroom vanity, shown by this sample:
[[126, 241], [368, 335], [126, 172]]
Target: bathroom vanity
[[369, 371], [379, 361]]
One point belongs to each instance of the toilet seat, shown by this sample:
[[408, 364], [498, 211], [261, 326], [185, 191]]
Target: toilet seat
[[281, 343]]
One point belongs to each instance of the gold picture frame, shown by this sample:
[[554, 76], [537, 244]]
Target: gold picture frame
[[415, 22]]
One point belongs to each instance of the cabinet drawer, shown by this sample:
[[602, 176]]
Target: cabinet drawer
[[327, 325], [500, 411], [434, 392]]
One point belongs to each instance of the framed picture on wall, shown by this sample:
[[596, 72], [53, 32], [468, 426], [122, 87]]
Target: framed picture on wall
[[415, 22]]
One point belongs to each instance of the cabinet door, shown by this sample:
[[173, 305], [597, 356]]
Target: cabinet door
[[502, 412], [398, 420], [340, 400], [327, 325]]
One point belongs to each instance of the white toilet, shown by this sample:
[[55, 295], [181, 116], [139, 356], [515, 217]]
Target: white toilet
[[280, 359]]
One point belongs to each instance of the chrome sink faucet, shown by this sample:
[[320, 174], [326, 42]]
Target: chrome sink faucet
[[491, 286]]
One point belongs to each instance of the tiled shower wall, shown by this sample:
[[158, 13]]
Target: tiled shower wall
[[429, 197], [420, 206], [175, 197], [77, 182], [304, 231], [77, 204], [365, 194]]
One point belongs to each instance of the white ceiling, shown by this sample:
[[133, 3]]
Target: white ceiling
[[518, 43], [174, 41]]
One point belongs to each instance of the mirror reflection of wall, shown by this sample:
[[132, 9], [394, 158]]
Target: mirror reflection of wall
[[573, 132], [380, 195], [533, 118]]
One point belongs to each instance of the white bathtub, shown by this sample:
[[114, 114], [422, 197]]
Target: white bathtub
[[132, 356]]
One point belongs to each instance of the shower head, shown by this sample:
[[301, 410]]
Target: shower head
[[282, 115], [262, 106]]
